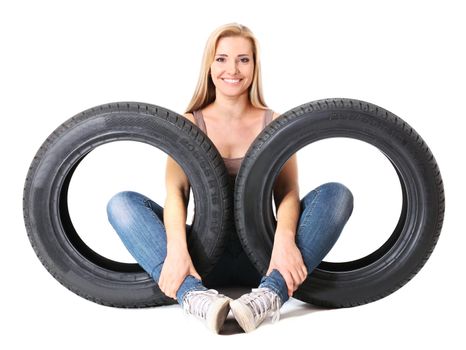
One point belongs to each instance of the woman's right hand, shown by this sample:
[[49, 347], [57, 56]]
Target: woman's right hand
[[176, 267]]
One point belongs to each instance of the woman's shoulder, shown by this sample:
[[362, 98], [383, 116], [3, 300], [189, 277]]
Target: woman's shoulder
[[262, 109], [275, 115], [190, 117]]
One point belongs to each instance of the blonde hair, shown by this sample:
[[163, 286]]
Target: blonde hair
[[205, 89]]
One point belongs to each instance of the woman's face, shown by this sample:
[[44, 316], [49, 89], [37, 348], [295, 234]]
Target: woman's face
[[233, 67]]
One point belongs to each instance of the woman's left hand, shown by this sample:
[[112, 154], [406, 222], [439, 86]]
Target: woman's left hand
[[287, 259]]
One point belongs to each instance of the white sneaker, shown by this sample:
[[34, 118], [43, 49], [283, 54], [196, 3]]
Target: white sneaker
[[209, 306], [252, 308]]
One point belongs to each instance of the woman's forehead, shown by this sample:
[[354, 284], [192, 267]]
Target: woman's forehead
[[234, 45]]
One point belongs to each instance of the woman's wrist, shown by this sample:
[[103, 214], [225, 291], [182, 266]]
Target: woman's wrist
[[177, 244], [285, 235]]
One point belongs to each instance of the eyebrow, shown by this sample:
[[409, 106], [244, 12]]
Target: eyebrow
[[225, 55]]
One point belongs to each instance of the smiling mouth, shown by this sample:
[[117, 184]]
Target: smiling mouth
[[231, 81]]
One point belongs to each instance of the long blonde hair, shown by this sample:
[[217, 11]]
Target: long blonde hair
[[205, 89]]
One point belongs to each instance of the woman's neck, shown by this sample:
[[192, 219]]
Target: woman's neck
[[231, 107]]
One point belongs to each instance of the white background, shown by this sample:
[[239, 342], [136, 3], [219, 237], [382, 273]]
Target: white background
[[59, 58]]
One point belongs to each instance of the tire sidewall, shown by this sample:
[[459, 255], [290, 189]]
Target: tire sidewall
[[46, 188], [393, 137]]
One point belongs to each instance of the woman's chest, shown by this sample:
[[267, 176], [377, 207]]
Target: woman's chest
[[233, 140]]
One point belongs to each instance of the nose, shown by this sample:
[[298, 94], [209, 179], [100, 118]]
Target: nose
[[232, 68]]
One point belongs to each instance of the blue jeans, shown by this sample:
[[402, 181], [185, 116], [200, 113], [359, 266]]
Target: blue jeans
[[139, 223]]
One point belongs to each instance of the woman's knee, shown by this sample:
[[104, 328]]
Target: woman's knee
[[335, 194], [121, 204], [340, 197]]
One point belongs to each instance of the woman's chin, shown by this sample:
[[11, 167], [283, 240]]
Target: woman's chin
[[231, 92]]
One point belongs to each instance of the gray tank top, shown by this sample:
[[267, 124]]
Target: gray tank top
[[232, 164]]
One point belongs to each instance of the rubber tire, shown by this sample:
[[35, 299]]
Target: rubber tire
[[413, 240], [48, 223]]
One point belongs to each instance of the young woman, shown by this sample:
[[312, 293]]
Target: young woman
[[229, 107]]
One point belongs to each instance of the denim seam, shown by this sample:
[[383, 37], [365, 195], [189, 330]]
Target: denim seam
[[149, 208], [308, 215]]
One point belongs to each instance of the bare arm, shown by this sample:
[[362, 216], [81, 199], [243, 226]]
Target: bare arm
[[176, 201], [286, 257], [178, 263], [286, 197]]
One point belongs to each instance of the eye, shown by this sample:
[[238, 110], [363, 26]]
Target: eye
[[245, 60], [220, 59]]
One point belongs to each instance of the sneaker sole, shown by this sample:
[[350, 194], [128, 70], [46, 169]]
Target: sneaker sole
[[218, 314], [243, 315]]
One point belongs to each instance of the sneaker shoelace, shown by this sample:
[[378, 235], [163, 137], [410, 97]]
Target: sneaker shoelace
[[197, 302], [263, 301]]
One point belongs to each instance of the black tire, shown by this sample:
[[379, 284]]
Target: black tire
[[413, 240], [47, 220]]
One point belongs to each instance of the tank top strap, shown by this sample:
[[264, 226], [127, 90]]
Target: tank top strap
[[268, 115], [199, 118]]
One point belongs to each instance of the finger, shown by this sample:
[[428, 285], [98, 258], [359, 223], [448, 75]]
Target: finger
[[305, 271], [161, 284], [174, 288], [166, 287], [162, 281], [165, 290], [296, 280], [302, 273], [172, 291], [289, 283], [300, 277], [303, 278]]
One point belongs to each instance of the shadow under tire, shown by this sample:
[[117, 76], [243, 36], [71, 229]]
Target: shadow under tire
[[50, 228], [392, 265]]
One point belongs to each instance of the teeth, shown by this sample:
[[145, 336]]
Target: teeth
[[231, 81]]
